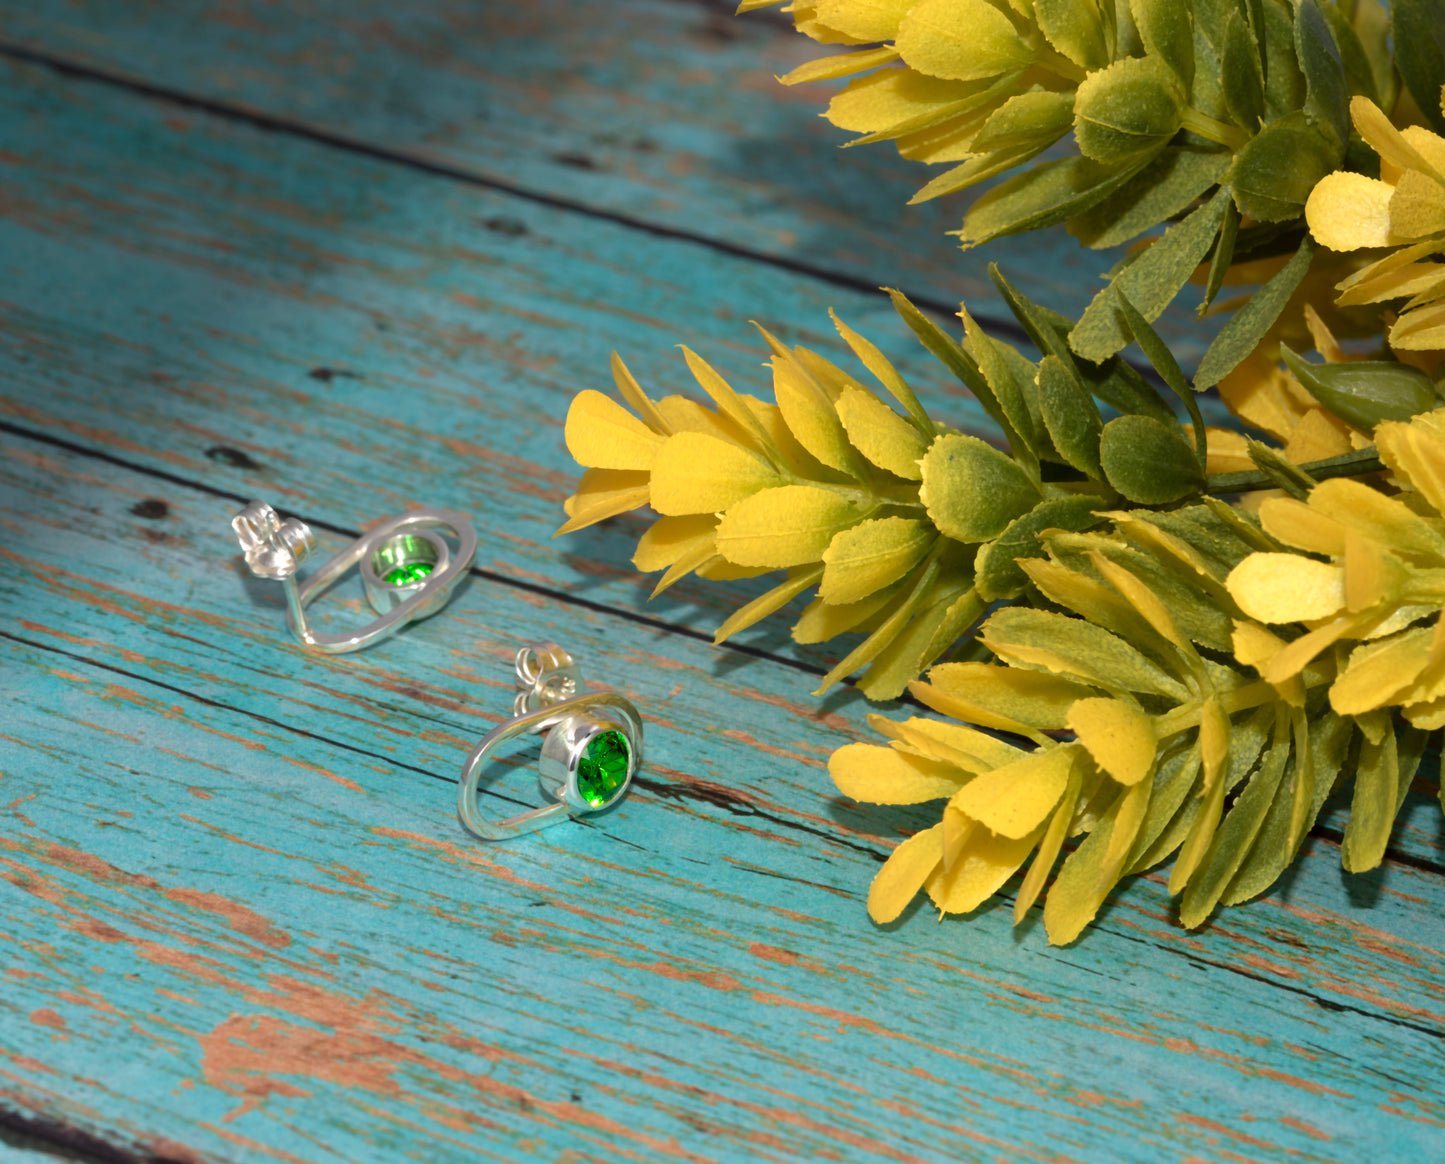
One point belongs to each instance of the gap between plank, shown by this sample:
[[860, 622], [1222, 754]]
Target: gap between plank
[[278, 123], [1335, 836], [675, 790], [490, 575]]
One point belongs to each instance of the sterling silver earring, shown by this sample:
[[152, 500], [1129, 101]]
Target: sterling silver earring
[[592, 748], [407, 568]]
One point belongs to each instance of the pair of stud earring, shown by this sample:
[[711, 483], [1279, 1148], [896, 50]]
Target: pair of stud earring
[[409, 569]]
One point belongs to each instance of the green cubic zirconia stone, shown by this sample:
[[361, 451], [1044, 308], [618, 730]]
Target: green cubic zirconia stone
[[602, 770], [411, 572]]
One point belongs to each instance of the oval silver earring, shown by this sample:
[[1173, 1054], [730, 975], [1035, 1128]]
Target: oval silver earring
[[592, 748], [408, 569]]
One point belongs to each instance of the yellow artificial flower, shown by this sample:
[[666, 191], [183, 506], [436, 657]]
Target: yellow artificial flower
[[1383, 586], [1403, 210], [825, 484], [1141, 739]]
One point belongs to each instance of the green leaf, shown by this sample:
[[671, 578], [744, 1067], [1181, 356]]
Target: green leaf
[[880, 434], [1123, 389], [961, 40], [1150, 282], [1235, 836], [1240, 75], [1365, 392], [997, 571], [1167, 29], [1091, 871], [1284, 84], [765, 604], [1027, 119], [1418, 31], [1128, 110], [1075, 28], [1149, 462], [1046, 195], [1166, 825], [1223, 256], [971, 490], [1046, 641], [1007, 389], [950, 354], [1329, 747], [1246, 327], [928, 634], [981, 168], [809, 414], [1376, 800], [1047, 330], [885, 373], [1168, 368], [915, 590], [1275, 171], [1168, 184], [1354, 57], [788, 526], [1327, 97], [871, 555], [1071, 417]]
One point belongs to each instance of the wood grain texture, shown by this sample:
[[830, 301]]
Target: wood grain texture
[[223, 856], [237, 917], [661, 112], [220, 302]]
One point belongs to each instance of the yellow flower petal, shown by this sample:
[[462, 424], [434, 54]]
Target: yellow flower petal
[[1119, 737], [891, 97], [881, 435], [697, 473], [787, 526], [670, 538], [980, 869], [1014, 800], [903, 874], [1417, 208], [601, 434], [1415, 450], [868, 20], [1387, 141], [1287, 588], [1422, 330], [1297, 524], [961, 39], [1430, 147], [604, 493], [1007, 698], [1347, 211], [875, 774], [872, 555], [973, 751], [1378, 672], [1318, 435]]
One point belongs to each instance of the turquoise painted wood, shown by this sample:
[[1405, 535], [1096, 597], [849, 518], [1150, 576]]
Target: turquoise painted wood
[[657, 112], [369, 314], [238, 919], [239, 863]]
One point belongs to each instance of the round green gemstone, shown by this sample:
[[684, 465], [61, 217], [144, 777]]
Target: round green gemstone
[[602, 769], [407, 574]]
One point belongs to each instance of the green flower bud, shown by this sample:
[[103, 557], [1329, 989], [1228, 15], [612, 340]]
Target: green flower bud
[[1365, 392]]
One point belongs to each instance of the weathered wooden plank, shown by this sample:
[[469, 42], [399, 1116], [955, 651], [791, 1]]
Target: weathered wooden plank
[[284, 299], [255, 912], [658, 112]]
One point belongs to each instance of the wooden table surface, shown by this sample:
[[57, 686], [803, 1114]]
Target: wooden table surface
[[353, 257]]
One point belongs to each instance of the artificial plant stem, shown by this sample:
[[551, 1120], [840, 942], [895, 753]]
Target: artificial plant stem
[[1221, 132], [1356, 464]]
